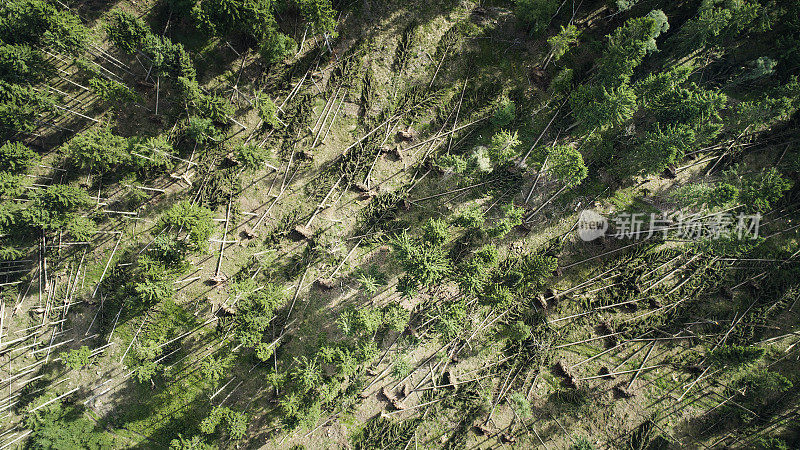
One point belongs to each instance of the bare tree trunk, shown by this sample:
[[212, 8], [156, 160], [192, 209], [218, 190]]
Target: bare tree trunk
[[224, 235]]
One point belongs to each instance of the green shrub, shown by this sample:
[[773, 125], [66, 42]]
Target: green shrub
[[267, 110], [396, 317], [193, 443], [736, 354], [252, 157], [77, 358], [521, 405], [401, 367], [582, 443], [469, 218]]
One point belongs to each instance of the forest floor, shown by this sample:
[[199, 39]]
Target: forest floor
[[493, 53]]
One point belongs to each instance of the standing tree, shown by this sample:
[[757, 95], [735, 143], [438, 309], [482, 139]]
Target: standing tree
[[16, 157], [251, 156], [234, 423], [212, 107], [78, 358], [538, 13], [319, 13], [126, 31], [201, 130], [627, 47], [22, 64], [267, 110], [503, 146], [425, 264], [20, 109], [565, 164], [195, 221], [97, 149], [56, 207], [660, 148], [255, 311], [597, 107], [152, 154], [252, 18], [41, 23], [760, 191], [716, 23], [277, 47], [113, 92]]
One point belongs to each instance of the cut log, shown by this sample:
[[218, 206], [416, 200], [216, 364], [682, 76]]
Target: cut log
[[305, 232], [541, 301], [507, 438], [562, 370], [229, 310], [484, 430], [218, 280], [368, 195], [396, 403], [670, 172], [388, 394], [606, 372], [325, 283], [621, 391], [407, 135]]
